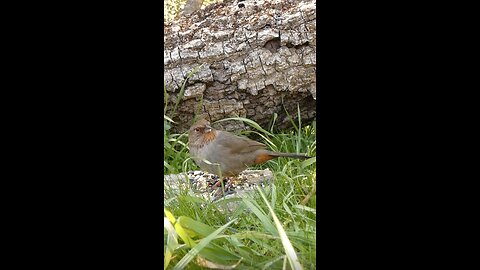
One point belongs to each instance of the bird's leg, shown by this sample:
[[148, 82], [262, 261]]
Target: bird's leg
[[218, 189], [221, 182], [223, 187]]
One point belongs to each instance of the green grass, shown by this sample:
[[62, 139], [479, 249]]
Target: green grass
[[276, 230]]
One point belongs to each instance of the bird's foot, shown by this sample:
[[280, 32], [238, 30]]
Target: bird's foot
[[219, 183], [221, 192]]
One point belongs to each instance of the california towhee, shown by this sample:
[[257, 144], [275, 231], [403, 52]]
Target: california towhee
[[226, 154]]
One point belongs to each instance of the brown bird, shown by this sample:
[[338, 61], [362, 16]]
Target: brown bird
[[225, 154]]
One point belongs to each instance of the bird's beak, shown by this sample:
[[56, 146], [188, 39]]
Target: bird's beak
[[208, 128]]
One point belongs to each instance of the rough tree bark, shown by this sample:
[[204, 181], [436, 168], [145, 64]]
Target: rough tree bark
[[253, 59], [191, 6]]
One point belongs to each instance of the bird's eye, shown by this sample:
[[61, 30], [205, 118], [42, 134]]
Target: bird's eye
[[197, 129]]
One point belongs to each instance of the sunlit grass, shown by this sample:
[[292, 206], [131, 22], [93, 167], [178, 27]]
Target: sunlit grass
[[252, 239], [269, 229]]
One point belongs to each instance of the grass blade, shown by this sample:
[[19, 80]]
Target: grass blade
[[165, 164], [267, 224], [208, 264], [271, 262], [197, 248], [305, 208], [198, 227], [299, 134], [184, 235], [168, 118], [249, 122], [172, 242], [269, 142], [290, 252], [309, 161]]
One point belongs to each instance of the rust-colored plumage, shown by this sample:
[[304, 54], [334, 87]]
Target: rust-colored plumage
[[226, 154]]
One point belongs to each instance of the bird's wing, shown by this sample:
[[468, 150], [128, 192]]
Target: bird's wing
[[237, 144]]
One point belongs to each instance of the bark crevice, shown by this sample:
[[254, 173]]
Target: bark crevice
[[251, 62]]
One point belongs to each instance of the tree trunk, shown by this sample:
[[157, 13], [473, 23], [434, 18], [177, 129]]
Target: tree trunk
[[191, 6], [252, 59]]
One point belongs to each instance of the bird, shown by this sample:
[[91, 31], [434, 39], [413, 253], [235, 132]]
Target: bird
[[226, 154]]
